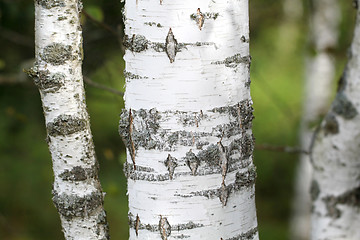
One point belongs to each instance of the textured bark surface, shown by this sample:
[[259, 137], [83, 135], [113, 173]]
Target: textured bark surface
[[335, 189], [57, 72], [187, 123], [320, 72]]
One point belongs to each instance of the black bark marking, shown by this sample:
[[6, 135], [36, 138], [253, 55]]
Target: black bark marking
[[171, 164], [192, 161], [137, 224], [132, 147], [343, 106], [223, 194], [314, 190], [71, 206], [331, 125], [223, 160], [56, 53], [171, 46], [65, 125], [165, 228], [349, 198]]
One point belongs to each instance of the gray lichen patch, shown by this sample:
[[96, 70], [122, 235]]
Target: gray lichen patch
[[249, 235], [331, 125], [247, 145], [56, 53], [79, 173], [164, 228], [50, 3], [138, 129], [243, 112], [234, 60], [245, 179], [211, 155], [344, 107], [49, 83], [65, 125], [350, 198], [143, 174], [136, 43], [71, 206]]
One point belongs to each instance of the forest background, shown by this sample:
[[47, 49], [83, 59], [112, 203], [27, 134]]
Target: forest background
[[278, 45]]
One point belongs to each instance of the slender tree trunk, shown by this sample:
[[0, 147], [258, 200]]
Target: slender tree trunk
[[320, 72], [336, 180], [57, 72], [187, 123]]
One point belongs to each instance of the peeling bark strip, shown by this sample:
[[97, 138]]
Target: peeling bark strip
[[77, 193]]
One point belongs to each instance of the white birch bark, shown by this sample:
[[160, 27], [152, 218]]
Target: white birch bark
[[57, 72], [320, 72], [187, 122], [335, 156]]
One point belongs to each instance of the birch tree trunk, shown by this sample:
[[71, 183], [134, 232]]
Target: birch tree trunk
[[57, 72], [320, 72], [187, 122], [336, 180]]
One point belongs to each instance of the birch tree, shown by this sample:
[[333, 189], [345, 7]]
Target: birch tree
[[187, 120], [319, 75], [57, 73], [335, 157]]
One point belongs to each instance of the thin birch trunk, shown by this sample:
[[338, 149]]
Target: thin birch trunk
[[187, 122], [335, 156], [320, 72], [57, 72]]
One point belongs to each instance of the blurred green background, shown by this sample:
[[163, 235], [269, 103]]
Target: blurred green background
[[278, 48]]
